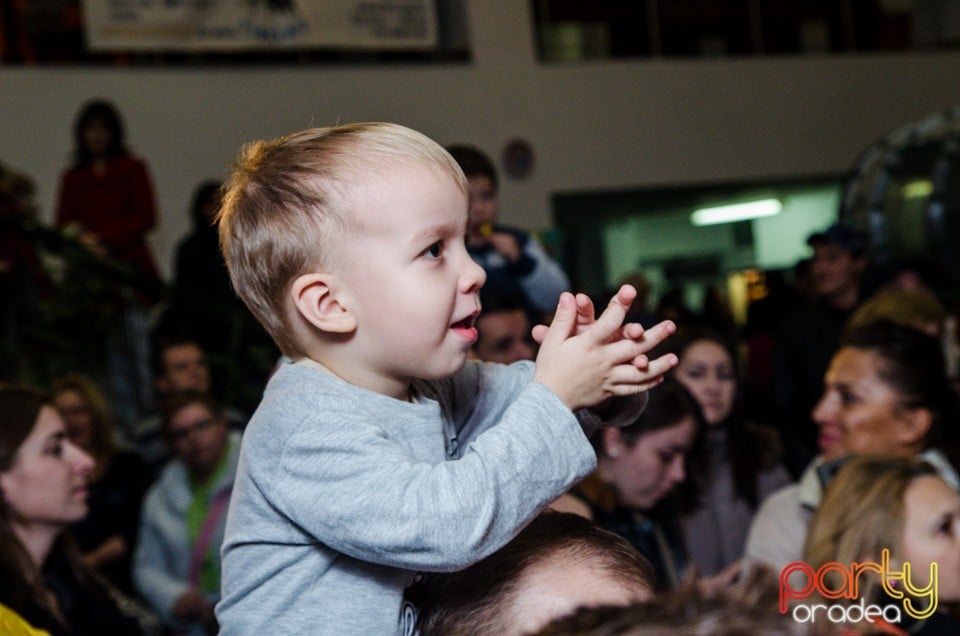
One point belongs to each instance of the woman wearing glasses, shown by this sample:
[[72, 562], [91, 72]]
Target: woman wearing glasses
[[177, 560]]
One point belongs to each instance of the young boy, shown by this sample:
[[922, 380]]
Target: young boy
[[377, 452]]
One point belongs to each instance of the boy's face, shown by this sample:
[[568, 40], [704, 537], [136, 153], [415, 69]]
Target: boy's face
[[484, 207], [408, 280]]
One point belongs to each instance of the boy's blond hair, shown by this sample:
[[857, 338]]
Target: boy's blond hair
[[288, 200]]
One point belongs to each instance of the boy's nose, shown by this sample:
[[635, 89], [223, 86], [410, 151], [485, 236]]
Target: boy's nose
[[473, 277]]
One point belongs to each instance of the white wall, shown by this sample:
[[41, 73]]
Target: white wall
[[593, 125]]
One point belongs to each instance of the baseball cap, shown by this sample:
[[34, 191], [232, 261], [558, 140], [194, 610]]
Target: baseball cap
[[840, 235]]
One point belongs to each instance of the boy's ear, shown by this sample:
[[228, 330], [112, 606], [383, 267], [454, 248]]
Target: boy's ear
[[315, 298]]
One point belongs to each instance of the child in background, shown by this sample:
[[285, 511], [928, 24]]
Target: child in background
[[377, 451], [514, 260]]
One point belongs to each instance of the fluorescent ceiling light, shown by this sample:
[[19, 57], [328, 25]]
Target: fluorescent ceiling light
[[736, 212], [918, 189]]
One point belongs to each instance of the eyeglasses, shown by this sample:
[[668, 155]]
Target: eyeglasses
[[180, 434]]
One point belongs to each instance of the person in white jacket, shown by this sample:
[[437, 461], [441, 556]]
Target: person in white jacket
[[176, 565], [887, 393]]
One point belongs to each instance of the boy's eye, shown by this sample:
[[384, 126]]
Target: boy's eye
[[435, 250]]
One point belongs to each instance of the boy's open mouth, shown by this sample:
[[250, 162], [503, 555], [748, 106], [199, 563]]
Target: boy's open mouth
[[466, 323]]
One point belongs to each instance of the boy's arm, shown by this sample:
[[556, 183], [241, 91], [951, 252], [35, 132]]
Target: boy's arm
[[364, 495]]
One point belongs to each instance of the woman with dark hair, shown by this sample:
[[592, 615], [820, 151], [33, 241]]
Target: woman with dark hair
[[43, 482], [886, 393], [107, 193], [741, 464], [119, 479], [638, 467], [106, 199]]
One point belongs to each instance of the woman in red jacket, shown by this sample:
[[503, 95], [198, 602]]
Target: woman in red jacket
[[107, 203], [107, 194]]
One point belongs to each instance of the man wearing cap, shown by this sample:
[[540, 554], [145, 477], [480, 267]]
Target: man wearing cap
[[809, 338]]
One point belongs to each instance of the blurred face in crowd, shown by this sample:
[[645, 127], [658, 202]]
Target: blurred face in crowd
[[198, 438], [859, 413], [484, 207], [504, 336], [77, 417], [707, 371], [46, 486], [835, 270], [97, 138], [931, 534], [646, 472], [185, 369]]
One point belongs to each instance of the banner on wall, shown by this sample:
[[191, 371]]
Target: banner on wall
[[226, 25]]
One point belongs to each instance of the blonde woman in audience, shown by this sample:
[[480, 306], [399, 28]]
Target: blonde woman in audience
[[915, 307], [119, 479], [903, 506]]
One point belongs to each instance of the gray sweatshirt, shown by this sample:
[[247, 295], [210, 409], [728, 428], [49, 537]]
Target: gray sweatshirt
[[343, 494]]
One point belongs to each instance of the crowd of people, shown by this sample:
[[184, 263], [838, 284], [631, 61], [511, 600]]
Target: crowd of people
[[391, 475]]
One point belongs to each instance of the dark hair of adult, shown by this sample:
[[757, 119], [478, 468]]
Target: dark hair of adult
[[204, 193], [477, 600], [496, 299], [164, 340], [669, 403], [748, 608], [912, 364], [21, 408], [474, 162], [750, 448], [103, 112], [176, 402]]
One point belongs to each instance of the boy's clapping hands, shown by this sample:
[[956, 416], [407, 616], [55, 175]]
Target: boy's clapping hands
[[586, 360]]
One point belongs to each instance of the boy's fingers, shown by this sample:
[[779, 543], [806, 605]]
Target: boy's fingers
[[629, 374], [653, 336], [538, 333], [585, 310], [659, 366], [611, 319], [626, 295], [563, 320]]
